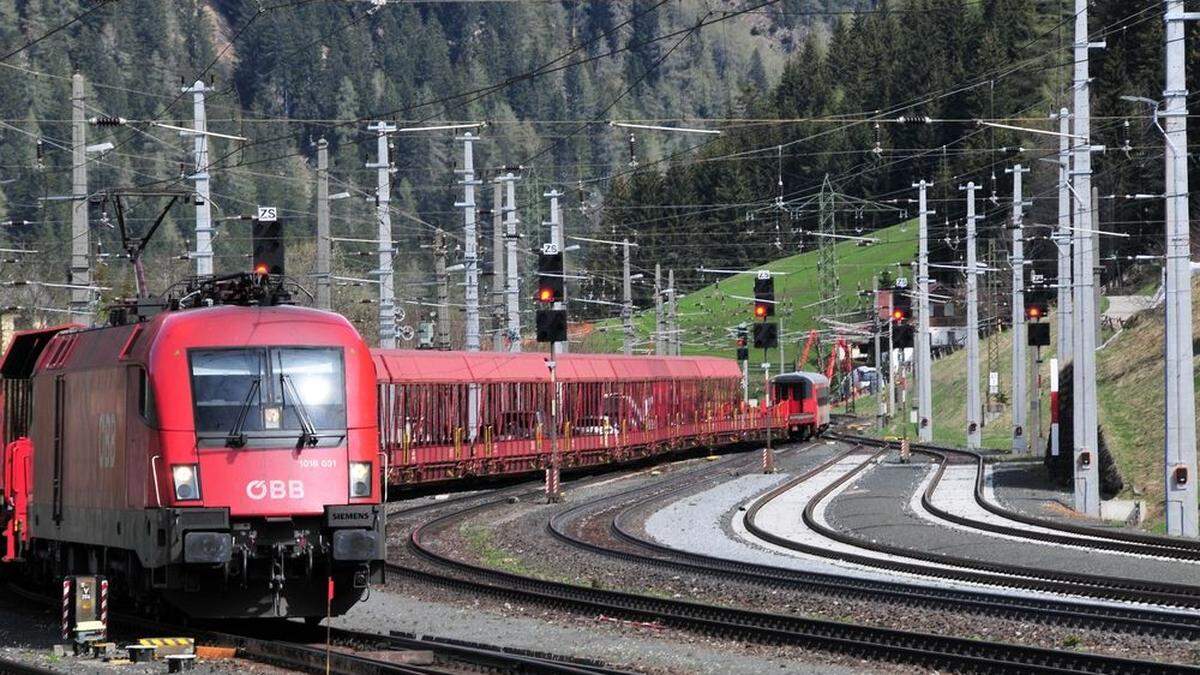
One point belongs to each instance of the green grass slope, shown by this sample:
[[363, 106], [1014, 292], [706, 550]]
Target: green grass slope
[[950, 393], [1129, 377], [706, 314]]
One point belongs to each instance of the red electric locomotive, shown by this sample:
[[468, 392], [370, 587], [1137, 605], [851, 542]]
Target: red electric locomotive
[[222, 458], [804, 399]]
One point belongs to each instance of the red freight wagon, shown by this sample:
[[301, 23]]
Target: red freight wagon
[[446, 415]]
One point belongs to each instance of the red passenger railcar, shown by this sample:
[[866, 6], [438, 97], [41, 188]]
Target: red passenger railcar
[[224, 459], [803, 399], [448, 415]]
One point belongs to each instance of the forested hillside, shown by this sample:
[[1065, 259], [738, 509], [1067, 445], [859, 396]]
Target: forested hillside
[[896, 96], [291, 71], [800, 89]]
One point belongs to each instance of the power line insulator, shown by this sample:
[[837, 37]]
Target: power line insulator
[[108, 121]]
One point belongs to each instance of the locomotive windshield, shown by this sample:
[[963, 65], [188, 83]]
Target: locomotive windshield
[[246, 396]]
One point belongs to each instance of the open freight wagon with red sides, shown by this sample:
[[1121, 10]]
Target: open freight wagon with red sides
[[452, 415]]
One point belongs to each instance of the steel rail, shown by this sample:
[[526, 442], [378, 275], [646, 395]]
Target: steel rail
[[300, 649], [1124, 541], [881, 643], [968, 569], [1044, 611], [1096, 542]]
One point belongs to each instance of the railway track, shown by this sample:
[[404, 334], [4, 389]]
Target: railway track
[[925, 650], [944, 566], [300, 647], [1124, 541], [640, 550]]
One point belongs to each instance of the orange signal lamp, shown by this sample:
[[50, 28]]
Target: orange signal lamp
[[897, 314], [1034, 312], [262, 269], [760, 311], [545, 295]]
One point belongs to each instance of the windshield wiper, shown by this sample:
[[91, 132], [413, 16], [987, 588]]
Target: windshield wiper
[[235, 438], [308, 433]]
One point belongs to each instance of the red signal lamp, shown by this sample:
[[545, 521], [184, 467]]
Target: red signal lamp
[[760, 311], [262, 269]]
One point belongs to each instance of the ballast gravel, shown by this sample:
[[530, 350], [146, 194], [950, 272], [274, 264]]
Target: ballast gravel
[[514, 538], [29, 635]]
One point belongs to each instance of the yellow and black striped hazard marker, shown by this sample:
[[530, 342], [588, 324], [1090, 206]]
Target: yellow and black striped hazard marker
[[164, 646]]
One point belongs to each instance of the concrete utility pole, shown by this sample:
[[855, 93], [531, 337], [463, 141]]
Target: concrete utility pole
[[913, 382], [204, 229], [626, 300], [660, 345], [498, 279], [513, 291], [556, 238], [383, 200], [891, 378], [470, 242], [1180, 440], [974, 435], [442, 281], [1020, 361], [81, 269], [881, 408], [924, 332], [1083, 349], [672, 316], [1062, 239], [324, 299]]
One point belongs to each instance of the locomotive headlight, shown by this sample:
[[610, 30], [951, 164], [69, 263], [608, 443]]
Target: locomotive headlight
[[360, 479], [187, 482]]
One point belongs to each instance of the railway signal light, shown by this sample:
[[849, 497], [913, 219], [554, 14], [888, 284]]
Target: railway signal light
[[743, 352], [1180, 474], [550, 278], [1037, 303], [552, 325], [766, 335], [764, 296], [268, 247], [1038, 334], [901, 304]]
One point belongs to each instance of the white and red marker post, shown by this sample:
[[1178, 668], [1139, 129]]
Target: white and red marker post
[[103, 608], [1054, 407], [66, 608]]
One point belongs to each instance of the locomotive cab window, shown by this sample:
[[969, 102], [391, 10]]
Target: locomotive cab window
[[260, 397], [145, 397]]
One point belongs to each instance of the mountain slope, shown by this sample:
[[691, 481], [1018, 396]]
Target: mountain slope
[[708, 315]]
